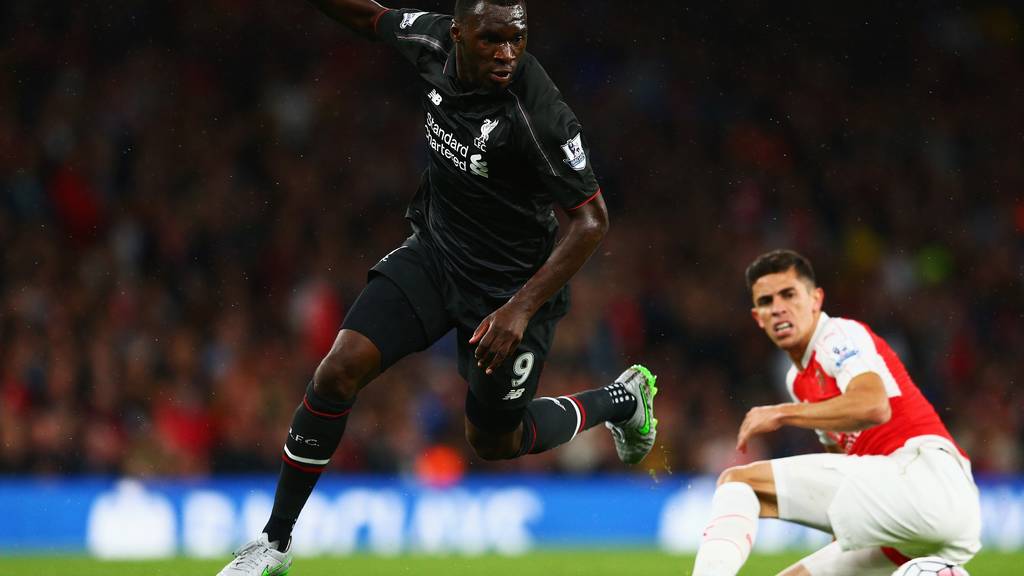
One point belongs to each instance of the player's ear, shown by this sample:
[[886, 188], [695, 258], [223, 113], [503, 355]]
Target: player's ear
[[819, 299], [756, 317], [456, 32]]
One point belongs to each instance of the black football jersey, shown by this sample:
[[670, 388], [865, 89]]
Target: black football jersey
[[498, 161]]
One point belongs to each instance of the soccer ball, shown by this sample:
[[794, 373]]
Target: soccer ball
[[930, 566]]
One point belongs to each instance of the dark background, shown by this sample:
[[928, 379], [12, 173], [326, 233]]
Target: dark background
[[191, 193]]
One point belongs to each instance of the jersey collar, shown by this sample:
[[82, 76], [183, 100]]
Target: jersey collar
[[822, 321]]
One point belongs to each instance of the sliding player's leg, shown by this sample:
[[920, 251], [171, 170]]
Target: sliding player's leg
[[799, 489], [832, 560]]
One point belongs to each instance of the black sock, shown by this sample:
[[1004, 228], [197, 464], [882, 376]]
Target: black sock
[[316, 430], [612, 403], [549, 422], [279, 530]]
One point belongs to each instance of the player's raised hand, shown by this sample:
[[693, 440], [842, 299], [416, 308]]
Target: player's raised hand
[[759, 420], [498, 336]]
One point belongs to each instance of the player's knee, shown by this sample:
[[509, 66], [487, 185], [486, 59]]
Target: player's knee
[[343, 372], [492, 452], [737, 474], [758, 476], [491, 447], [730, 475]]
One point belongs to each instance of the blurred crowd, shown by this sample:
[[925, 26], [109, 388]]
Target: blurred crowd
[[191, 194]]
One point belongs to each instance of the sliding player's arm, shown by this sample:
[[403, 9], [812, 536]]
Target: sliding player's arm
[[864, 404], [359, 16]]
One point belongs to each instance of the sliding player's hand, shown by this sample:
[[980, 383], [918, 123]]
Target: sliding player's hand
[[498, 336], [759, 420]]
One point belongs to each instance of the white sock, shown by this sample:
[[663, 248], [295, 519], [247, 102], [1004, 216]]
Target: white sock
[[730, 533]]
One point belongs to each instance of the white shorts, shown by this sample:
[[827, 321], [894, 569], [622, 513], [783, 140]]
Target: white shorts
[[920, 500]]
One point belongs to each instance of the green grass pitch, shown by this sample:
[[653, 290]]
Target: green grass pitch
[[581, 563]]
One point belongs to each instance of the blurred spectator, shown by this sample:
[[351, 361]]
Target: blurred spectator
[[191, 193]]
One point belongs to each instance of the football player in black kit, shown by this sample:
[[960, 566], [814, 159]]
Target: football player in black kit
[[482, 259]]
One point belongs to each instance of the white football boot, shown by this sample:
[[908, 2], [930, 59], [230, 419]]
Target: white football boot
[[259, 558], [634, 437]]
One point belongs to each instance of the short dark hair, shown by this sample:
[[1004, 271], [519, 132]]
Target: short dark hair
[[463, 8], [780, 261]]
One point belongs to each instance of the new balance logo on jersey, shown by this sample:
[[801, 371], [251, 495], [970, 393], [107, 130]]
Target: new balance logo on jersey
[[485, 132], [575, 157], [408, 19], [514, 394], [435, 97], [478, 166]]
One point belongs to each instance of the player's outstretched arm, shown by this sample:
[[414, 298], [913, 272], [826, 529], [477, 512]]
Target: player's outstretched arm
[[864, 404], [499, 334], [357, 15]]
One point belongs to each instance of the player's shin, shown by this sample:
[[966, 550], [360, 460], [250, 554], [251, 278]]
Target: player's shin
[[550, 422], [315, 432], [730, 533]]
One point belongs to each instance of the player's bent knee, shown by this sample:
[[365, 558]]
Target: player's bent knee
[[734, 474], [493, 452], [754, 474], [490, 447], [351, 364], [337, 379]]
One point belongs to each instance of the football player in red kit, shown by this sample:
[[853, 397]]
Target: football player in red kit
[[893, 485]]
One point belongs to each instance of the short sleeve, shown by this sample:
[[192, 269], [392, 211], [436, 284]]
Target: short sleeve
[[415, 34], [844, 355], [561, 155]]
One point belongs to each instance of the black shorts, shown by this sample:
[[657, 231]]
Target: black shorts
[[409, 303]]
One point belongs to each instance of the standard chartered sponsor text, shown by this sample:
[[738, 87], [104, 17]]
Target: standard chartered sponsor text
[[446, 144]]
